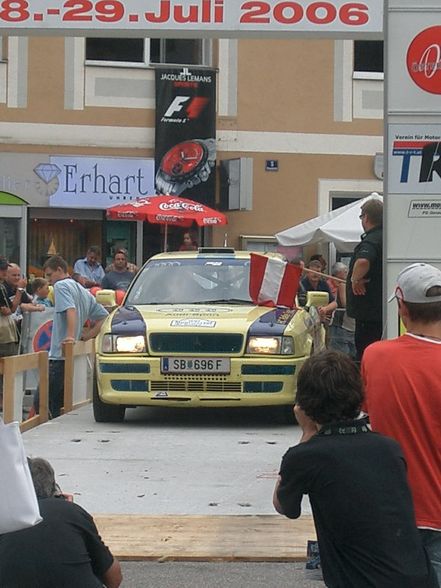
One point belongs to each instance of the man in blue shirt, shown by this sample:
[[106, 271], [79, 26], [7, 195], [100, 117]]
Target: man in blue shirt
[[89, 267], [74, 305]]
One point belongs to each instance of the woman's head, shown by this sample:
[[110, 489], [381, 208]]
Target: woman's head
[[188, 242]]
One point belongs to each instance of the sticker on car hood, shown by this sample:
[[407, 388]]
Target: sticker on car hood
[[186, 310], [194, 322], [272, 322]]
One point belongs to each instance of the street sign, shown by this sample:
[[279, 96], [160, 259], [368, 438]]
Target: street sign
[[41, 340]]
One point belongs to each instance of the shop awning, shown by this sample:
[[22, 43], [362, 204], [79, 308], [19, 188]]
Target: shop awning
[[11, 200]]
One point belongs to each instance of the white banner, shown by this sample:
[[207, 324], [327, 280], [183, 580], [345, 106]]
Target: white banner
[[414, 159], [96, 182], [219, 18], [415, 62]]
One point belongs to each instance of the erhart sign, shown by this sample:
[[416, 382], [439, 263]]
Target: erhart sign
[[95, 182], [219, 18]]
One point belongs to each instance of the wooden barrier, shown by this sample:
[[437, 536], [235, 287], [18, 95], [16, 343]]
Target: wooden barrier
[[75, 376], [10, 367], [72, 353]]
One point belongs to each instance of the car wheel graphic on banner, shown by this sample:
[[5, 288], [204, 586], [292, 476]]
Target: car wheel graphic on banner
[[41, 341]]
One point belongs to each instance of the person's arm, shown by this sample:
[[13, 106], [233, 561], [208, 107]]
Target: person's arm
[[31, 307], [309, 428], [91, 332], [71, 323], [5, 303], [276, 501], [324, 311], [341, 295], [16, 300], [112, 578], [359, 271]]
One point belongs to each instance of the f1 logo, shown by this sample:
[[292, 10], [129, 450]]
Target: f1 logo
[[193, 110], [177, 105]]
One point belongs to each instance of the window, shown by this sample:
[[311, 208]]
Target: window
[[126, 50], [3, 48], [147, 51], [368, 56]]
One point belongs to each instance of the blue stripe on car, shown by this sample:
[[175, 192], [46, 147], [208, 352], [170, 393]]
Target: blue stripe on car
[[127, 320], [272, 323]]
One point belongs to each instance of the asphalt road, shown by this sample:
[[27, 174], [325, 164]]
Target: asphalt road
[[216, 575]]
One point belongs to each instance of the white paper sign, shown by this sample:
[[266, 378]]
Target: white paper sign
[[96, 182], [414, 159]]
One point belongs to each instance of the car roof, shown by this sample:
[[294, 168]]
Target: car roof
[[207, 253]]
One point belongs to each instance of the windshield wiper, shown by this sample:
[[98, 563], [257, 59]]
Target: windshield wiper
[[225, 301]]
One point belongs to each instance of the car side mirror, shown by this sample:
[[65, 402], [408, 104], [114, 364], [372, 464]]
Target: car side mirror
[[317, 299], [106, 298]]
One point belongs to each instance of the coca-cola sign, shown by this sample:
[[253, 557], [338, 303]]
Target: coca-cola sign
[[178, 205], [424, 60]]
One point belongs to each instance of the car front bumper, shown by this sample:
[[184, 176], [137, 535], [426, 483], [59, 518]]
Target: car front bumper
[[252, 381]]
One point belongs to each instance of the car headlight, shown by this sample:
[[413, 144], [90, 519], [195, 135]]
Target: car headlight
[[123, 344], [271, 345]]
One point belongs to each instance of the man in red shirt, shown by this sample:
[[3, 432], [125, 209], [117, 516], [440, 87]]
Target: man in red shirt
[[402, 380]]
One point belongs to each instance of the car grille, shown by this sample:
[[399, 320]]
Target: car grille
[[196, 386], [196, 343]]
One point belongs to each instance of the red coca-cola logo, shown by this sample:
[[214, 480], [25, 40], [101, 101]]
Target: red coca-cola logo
[[424, 60]]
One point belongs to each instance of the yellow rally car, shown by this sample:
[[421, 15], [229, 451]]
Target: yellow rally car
[[188, 335]]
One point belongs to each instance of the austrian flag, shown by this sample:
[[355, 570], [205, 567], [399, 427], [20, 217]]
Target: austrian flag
[[273, 282]]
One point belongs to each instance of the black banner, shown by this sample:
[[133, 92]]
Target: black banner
[[185, 145]]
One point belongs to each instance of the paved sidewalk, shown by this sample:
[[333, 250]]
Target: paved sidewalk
[[167, 462], [178, 484]]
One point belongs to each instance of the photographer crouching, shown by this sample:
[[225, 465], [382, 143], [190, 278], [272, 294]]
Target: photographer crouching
[[63, 551]]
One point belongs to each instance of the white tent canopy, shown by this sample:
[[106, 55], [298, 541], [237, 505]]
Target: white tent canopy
[[341, 227]]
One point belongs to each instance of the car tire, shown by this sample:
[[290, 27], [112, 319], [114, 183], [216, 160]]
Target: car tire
[[106, 413]]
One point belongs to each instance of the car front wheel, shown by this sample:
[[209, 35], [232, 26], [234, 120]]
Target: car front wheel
[[106, 413]]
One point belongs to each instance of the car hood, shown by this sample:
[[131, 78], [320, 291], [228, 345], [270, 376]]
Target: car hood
[[257, 320]]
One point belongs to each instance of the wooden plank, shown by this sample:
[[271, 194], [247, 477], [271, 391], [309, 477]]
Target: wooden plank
[[206, 538], [8, 388], [68, 352], [30, 423], [43, 366]]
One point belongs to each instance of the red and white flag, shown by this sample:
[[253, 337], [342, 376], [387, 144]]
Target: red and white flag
[[273, 282]]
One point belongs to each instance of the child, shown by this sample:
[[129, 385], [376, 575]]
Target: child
[[40, 289]]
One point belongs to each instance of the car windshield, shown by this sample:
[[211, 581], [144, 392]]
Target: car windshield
[[194, 281]]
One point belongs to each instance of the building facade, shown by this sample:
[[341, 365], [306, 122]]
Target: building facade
[[299, 131]]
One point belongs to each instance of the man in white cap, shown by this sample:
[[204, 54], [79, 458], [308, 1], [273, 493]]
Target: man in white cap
[[402, 380]]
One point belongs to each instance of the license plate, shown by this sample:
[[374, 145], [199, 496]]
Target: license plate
[[195, 365]]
